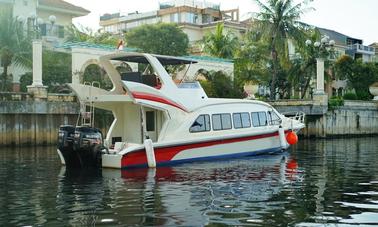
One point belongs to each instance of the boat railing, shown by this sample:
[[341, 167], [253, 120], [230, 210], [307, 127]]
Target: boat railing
[[297, 116]]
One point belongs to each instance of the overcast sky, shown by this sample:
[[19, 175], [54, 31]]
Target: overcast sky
[[355, 18]]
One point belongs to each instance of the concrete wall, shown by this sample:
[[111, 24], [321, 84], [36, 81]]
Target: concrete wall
[[354, 118], [24, 123]]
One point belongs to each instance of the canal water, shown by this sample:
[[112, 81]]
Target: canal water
[[333, 182]]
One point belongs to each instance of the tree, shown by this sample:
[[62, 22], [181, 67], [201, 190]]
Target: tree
[[220, 85], [219, 44], [15, 45], [84, 34], [251, 61], [162, 38], [358, 74], [278, 21]]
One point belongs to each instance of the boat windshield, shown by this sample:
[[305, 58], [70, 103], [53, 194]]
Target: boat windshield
[[137, 68]]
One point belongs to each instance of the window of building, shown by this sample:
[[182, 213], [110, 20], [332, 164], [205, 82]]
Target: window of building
[[60, 31], [241, 120], [175, 17], [191, 18], [201, 124], [259, 119], [221, 121]]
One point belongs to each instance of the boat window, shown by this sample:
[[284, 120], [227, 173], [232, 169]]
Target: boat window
[[259, 119], [273, 118], [201, 124], [262, 119], [255, 119], [221, 121], [241, 120]]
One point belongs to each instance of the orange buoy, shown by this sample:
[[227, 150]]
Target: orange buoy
[[291, 138]]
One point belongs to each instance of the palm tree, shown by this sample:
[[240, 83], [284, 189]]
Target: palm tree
[[15, 45], [219, 44], [278, 21]]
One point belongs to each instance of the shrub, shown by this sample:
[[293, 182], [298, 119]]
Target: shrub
[[350, 96], [335, 101]]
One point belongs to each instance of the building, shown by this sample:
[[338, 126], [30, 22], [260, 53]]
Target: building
[[195, 18], [48, 17], [348, 45], [375, 46]]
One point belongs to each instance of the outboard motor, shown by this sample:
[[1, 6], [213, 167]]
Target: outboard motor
[[65, 145], [88, 144], [81, 146], [66, 136]]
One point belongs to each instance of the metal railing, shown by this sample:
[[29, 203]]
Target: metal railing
[[361, 47], [297, 116]]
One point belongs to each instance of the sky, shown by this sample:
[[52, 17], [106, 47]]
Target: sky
[[354, 18]]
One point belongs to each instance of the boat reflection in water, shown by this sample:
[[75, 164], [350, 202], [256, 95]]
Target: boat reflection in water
[[188, 194]]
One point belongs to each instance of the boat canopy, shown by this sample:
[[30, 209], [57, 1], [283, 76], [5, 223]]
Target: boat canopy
[[164, 60]]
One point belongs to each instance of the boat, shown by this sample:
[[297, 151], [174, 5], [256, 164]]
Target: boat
[[161, 121]]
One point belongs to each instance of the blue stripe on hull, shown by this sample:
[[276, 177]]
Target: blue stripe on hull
[[211, 158]]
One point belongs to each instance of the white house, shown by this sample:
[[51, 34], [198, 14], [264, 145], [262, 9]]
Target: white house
[[49, 17]]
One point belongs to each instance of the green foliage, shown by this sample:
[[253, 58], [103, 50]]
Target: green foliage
[[335, 101], [162, 38], [278, 21], [221, 45], [26, 80], [93, 73], [251, 61], [56, 68], [350, 96], [15, 45], [359, 75], [84, 34], [220, 85]]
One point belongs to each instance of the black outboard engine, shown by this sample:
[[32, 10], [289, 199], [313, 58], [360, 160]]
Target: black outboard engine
[[81, 146], [65, 145], [66, 136], [88, 144]]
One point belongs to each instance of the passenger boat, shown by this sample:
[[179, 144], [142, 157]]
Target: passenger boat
[[159, 121]]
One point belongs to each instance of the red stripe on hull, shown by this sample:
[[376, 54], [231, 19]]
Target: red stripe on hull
[[165, 154], [145, 96]]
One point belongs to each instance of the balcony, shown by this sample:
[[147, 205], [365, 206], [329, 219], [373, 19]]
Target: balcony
[[361, 49]]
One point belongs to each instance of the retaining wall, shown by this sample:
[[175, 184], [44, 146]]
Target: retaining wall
[[354, 118], [24, 123]]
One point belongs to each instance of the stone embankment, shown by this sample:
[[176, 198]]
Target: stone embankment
[[25, 121], [354, 118]]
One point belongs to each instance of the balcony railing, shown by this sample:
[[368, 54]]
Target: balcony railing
[[361, 48]]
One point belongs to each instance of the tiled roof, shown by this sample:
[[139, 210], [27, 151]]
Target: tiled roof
[[70, 45], [207, 58], [63, 5]]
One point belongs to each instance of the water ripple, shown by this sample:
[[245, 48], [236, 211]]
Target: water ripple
[[324, 182]]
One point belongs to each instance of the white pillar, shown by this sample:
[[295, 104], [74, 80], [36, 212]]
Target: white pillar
[[37, 88], [319, 76], [37, 63]]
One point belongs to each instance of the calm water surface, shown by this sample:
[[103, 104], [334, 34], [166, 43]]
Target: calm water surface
[[323, 182]]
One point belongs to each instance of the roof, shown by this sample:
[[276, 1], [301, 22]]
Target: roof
[[62, 5], [164, 60], [70, 45], [338, 37], [207, 58], [188, 58]]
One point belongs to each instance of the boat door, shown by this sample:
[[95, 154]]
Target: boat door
[[151, 124]]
